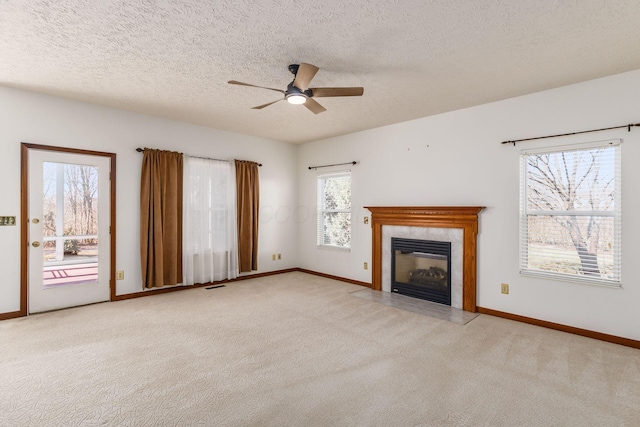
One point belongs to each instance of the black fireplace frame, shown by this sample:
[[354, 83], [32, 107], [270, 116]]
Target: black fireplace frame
[[427, 247]]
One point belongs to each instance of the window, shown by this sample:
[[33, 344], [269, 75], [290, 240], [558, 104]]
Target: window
[[334, 210], [209, 236], [570, 213]]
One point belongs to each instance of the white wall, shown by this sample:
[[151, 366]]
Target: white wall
[[41, 119], [450, 159], [457, 159]]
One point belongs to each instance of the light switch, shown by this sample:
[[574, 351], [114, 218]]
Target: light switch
[[7, 220]]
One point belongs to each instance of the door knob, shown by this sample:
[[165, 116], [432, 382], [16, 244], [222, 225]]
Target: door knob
[[35, 244], [35, 220]]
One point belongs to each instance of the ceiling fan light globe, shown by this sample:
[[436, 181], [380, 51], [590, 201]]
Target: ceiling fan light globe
[[296, 99]]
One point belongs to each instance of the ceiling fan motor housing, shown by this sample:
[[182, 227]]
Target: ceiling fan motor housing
[[294, 90]]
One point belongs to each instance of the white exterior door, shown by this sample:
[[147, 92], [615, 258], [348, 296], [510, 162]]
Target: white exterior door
[[69, 242]]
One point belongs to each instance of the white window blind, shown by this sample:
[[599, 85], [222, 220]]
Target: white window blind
[[570, 213], [334, 209]]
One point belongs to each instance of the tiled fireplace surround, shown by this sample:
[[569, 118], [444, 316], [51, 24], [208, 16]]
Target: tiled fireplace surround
[[455, 224]]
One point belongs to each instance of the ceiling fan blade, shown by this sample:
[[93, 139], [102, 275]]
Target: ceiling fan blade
[[234, 82], [304, 75], [260, 107], [313, 105], [319, 92]]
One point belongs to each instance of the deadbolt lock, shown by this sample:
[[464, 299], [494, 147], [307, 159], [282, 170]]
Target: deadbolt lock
[[35, 244], [35, 220]]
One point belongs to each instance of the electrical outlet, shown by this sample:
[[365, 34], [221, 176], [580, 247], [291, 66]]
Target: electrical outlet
[[505, 288], [366, 265], [273, 257], [366, 220], [279, 256], [120, 275]]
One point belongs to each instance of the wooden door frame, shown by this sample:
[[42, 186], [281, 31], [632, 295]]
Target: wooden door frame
[[24, 216]]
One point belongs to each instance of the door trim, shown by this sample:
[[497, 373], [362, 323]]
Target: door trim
[[24, 214]]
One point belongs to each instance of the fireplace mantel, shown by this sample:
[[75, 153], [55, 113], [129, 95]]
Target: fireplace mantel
[[464, 217]]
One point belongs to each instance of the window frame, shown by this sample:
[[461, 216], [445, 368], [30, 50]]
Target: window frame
[[616, 214], [321, 210]]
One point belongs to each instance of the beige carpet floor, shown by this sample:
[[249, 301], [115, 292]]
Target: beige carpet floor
[[299, 350]]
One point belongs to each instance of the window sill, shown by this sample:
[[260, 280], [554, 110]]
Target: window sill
[[334, 248], [610, 284]]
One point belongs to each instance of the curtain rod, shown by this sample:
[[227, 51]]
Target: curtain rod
[[629, 126], [141, 150], [337, 164]]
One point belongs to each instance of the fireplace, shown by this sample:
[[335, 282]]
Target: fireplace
[[436, 218], [421, 269]]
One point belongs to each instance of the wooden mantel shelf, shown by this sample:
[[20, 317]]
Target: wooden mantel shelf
[[464, 217]]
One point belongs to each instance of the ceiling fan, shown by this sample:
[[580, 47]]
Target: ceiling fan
[[299, 92]]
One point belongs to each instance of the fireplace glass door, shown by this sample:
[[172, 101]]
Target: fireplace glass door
[[421, 269]]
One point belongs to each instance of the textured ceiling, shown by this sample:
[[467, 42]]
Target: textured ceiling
[[415, 58]]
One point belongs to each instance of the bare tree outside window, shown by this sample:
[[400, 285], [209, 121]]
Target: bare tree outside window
[[571, 212]]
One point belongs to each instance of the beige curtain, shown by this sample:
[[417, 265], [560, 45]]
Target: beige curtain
[[248, 193], [161, 218]]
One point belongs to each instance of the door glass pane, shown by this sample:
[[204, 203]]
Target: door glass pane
[[49, 250], [50, 200], [70, 224]]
